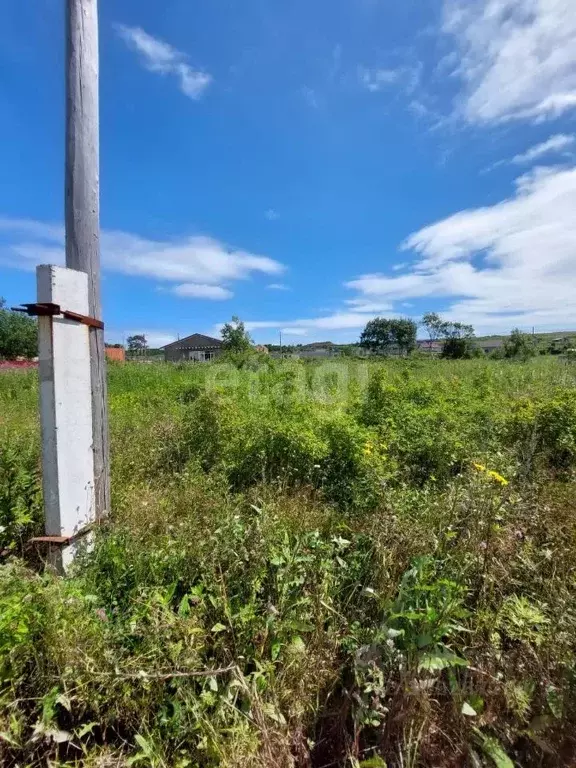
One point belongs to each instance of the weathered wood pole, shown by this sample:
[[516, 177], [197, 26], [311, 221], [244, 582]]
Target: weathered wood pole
[[82, 210]]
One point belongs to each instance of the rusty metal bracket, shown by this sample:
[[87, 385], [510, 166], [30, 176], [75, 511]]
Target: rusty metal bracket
[[63, 541], [47, 309]]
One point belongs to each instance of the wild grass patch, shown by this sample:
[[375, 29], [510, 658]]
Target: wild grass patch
[[379, 572]]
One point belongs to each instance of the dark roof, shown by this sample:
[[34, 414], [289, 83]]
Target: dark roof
[[317, 345], [195, 341]]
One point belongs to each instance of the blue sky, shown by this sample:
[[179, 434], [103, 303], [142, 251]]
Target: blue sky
[[305, 165]]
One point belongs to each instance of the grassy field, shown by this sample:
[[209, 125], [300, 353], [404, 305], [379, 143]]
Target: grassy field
[[347, 564]]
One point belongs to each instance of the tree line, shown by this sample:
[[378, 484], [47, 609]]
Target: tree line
[[386, 336], [381, 336], [18, 334], [454, 340]]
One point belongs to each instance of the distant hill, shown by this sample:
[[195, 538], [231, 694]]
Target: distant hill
[[549, 336]]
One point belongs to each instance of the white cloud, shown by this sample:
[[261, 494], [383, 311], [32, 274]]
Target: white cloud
[[272, 215], [418, 108], [295, 331], [361, 305], [516, 57], [344, 326], [555, 143], [310, 96], [277, 287], [202, 264], [376, 79], [513, 263], [202, 291], [337, 321], [158, 56], [155, 339]]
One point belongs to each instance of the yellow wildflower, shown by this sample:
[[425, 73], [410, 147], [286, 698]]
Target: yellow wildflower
[[497, 477], [491, 473]]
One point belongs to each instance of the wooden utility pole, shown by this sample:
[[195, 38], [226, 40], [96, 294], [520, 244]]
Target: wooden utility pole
[[82, 212]]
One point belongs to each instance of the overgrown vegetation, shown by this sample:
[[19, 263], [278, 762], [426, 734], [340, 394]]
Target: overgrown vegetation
[[382, 336], [18, 334], [348, 564]]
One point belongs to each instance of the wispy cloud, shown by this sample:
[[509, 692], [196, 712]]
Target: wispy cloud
[[509, 264], [310, 97], [295, 331], [202, 266], [337, 321], [375, 79], [202, 291], [516, 58], [557, 143], [154, 338], [272, 215], [159, 56], [277, 287], [370, 306]]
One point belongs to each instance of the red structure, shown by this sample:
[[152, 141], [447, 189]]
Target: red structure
[[118, 354]]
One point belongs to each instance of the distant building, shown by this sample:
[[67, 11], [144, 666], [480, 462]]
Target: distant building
[[315, 350], [433, 347], [196, 348], [118, 354], [489, 345]]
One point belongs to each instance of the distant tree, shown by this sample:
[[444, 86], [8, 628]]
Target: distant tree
[[235, 337], [137, 343], [377, 336], [458, 341], [382, 335], [435, 326], [404, 332], [519, 345], [18, 334]]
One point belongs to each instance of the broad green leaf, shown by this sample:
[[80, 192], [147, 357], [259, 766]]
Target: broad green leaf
[[493, 749], [88, 728], [440, 659], [554, 701], [271, 712], [184, 607], [144, 745], [297, 645]]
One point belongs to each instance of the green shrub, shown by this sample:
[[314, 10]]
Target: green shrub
[[20, 494], [557, 422], [305, 565]]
